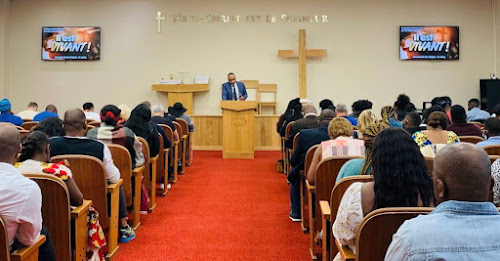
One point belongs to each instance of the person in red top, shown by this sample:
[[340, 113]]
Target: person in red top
[[460, 125]]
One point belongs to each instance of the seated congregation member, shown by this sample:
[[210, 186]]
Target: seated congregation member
[[30, 111], [310, 121], [436, 132], [90, 114], [365, 119], [110, 132], [464, 225], [341, 111], [140, 123], [35, 158], [6, 113], [307, 139], [50, 111], [496, 111], [363, 166], [495, 174], [427, 112], [158, 117], [460, 125], [387, 114], [359, 106], [124, 114], [492, 128], [20, 198], [402, 181], [326, 104], [293, 112], [400, 107], [412, 122], [476, 114], [52, 126], [75, 142], [340, 131], [179, 111]]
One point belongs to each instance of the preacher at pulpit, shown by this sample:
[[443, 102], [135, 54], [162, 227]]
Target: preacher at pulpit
[[233, 90]]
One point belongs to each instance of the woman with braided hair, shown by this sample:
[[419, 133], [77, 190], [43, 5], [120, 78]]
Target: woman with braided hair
[[387, 113], [35, 155], [363, 166]]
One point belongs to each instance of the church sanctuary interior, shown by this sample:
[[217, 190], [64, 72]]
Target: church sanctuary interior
[[249, 130]]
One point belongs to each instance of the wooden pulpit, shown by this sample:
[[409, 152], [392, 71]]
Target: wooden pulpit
[[182, 93], [238, 129]]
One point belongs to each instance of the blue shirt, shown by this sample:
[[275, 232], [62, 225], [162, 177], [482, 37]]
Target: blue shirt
[[495, 140], [352, 120], [8, 117], [395, 123], [455, 230], [44, 115], [475, 114], [350, 168]]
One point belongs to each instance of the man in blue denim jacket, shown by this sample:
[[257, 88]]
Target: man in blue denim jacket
[[464, 226]]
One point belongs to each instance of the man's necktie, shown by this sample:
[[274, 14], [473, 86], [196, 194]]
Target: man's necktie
[[234, 93]]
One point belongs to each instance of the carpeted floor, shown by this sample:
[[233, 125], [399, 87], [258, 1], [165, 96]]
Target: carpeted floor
[[222, 210]]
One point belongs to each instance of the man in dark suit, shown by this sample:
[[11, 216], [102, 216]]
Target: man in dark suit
[[310, 121], [307, 139], [233, 90]]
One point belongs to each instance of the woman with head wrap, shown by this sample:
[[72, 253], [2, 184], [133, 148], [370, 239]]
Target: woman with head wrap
[[363, 166], [387, 113]]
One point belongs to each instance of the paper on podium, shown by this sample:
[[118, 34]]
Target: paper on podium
[[201, 79]]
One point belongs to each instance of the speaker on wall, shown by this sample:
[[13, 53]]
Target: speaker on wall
[[490, 94]]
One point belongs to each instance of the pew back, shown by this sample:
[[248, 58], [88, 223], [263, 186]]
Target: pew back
[[377, 229], [55, 212], [4, 241], [123, 161], [90, 177], [492, 149], [470, 139]]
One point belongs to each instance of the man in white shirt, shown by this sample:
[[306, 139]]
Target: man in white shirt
[[88, 109], [30, 111], [20, 198]]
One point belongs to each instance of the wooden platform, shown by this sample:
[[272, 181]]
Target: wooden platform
[[208, 132]]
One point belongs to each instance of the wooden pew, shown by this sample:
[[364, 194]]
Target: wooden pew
[[492, 149], [430, 165], [326, 175], [90, 177], [470, 139], [187, 135], [329, 213], [295, 142], [58, 218], [149, 173], [173, 154], [24, 133], [160, 167], [94, 123], [22, 254], [29, 124], [286, 159], [378, 227], [305, 207], [123, 161], [182, 147]]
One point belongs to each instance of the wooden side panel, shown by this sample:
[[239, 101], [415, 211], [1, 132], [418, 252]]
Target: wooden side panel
[[209, 132], [185, 98], [266, 137]]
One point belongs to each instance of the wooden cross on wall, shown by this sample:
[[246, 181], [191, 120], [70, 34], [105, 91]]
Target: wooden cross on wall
[[302, 54]]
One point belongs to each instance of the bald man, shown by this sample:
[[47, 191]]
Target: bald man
[[20, 198], [76, 142], [464, 226], [310, 121]]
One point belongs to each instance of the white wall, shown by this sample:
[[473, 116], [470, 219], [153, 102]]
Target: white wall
[[4, 14], [361, 38]]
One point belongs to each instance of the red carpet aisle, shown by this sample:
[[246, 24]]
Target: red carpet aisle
[[222, 210]]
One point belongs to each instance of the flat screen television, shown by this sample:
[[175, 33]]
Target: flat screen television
[[62, 43], [429, 43]]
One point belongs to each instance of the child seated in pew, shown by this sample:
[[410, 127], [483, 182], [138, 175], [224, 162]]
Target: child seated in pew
[[35, 155], [400, 180]]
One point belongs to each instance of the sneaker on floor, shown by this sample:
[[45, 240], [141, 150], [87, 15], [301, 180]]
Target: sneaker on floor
[[169, 186], [126, 234], [295, 219], [162, 186]]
